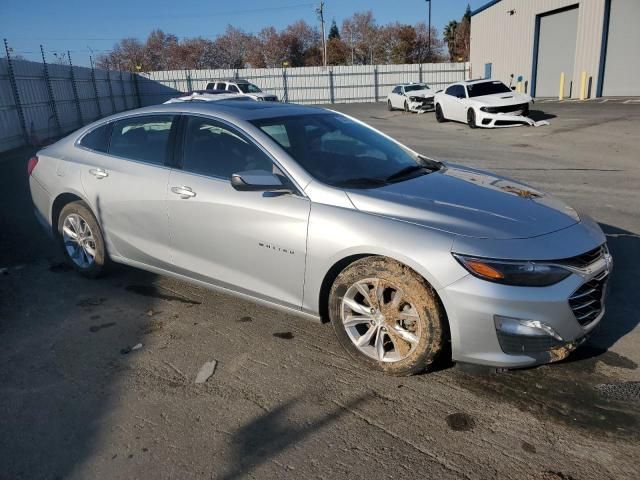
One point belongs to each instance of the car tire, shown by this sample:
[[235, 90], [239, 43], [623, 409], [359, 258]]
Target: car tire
[[439, 115], [389, 106], [525, 111], [397, 335], [81, 240], [471, 118], [406, 106]]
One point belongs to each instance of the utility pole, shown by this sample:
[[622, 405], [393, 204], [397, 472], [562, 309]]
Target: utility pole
[[320, 12], [429, 32]]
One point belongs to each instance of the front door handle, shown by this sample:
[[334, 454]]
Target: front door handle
[[99, 173], [184, 192]]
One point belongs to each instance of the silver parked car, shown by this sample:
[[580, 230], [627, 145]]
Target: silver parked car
[[319, 214]]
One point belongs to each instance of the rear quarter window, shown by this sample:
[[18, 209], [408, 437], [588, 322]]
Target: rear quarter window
[[97, 139]]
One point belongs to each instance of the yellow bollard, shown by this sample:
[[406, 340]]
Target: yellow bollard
[[583, 86], [561, 92]]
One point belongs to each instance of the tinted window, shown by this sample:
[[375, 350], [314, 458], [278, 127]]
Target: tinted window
[[221, 86], [396, 90], [411, 88], [211, 148], [339, 151], [142, 138], [211, 86], [232, 88], [456, 91], [487, 88], [249, 88], [97, 139]]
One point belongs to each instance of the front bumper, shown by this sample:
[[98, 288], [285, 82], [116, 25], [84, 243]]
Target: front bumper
[[511, 327], [422, 105], [505, 120]]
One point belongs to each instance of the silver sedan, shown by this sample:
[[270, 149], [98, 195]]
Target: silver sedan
[[317, 213]]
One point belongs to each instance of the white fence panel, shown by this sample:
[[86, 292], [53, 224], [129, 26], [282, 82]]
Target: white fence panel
[[307, 85]]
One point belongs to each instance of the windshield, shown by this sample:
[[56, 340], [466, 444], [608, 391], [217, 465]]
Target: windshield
[[487, 88], [249, 88], [341, 152], [411, 88]]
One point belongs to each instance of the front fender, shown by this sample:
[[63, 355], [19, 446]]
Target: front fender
[[337, 233]]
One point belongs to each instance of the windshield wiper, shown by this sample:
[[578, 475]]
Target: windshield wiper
[[361, 182], [406, 171]]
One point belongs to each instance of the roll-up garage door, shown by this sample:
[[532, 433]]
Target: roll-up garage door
[[622, 61], [556, 52]]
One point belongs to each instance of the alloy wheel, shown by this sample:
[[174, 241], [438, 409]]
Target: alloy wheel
[[380, 320], [79, 241]]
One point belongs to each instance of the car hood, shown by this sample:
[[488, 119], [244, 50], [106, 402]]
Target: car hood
[[468, 202], [426, 93], [502, 99]]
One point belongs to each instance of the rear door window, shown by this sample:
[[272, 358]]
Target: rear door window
[[232, 88], [144, 138], [221, 86]]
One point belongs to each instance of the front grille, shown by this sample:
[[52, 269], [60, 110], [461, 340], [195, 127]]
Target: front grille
[[518, 344], [506, 108], [587, 302], [586, 259], [271, 99]]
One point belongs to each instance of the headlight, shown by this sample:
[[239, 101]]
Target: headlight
[[414, 99], [488, 109], [524, 274]]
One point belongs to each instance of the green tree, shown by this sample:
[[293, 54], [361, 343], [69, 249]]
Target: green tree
[[333, 31]]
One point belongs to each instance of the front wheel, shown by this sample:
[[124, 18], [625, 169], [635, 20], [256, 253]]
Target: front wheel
[[439, 115], [386, 316], [406, 106], [81, 240], [471, 118], [389, 106]]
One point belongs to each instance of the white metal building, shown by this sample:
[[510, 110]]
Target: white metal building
[[595, 43]]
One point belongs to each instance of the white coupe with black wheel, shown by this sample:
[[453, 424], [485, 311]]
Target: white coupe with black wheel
[[484, 104]]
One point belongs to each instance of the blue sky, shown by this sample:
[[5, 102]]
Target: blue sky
[[81, 25]]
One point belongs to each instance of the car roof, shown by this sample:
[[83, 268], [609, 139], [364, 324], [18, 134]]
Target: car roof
[[249, 110], [231, 80], [481, 80]]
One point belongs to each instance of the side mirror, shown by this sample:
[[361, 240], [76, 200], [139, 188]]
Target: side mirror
[[257, 181]]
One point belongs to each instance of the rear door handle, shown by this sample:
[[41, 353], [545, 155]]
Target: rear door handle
[[184, 192], [99, 173]]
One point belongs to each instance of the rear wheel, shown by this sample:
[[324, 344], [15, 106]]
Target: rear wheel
[[81, 240], [471, 118], [386, 316], [439, 115]]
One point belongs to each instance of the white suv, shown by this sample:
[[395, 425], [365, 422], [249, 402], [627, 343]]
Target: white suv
[[242, 87]]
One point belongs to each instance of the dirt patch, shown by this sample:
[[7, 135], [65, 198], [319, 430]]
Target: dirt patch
[[551, 475], [527, 447], [244, 319], [565, 391], [155, 292], [460, 422], [97, 328], [91, 302], [59, 267], [283, 335], [152, 327]]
